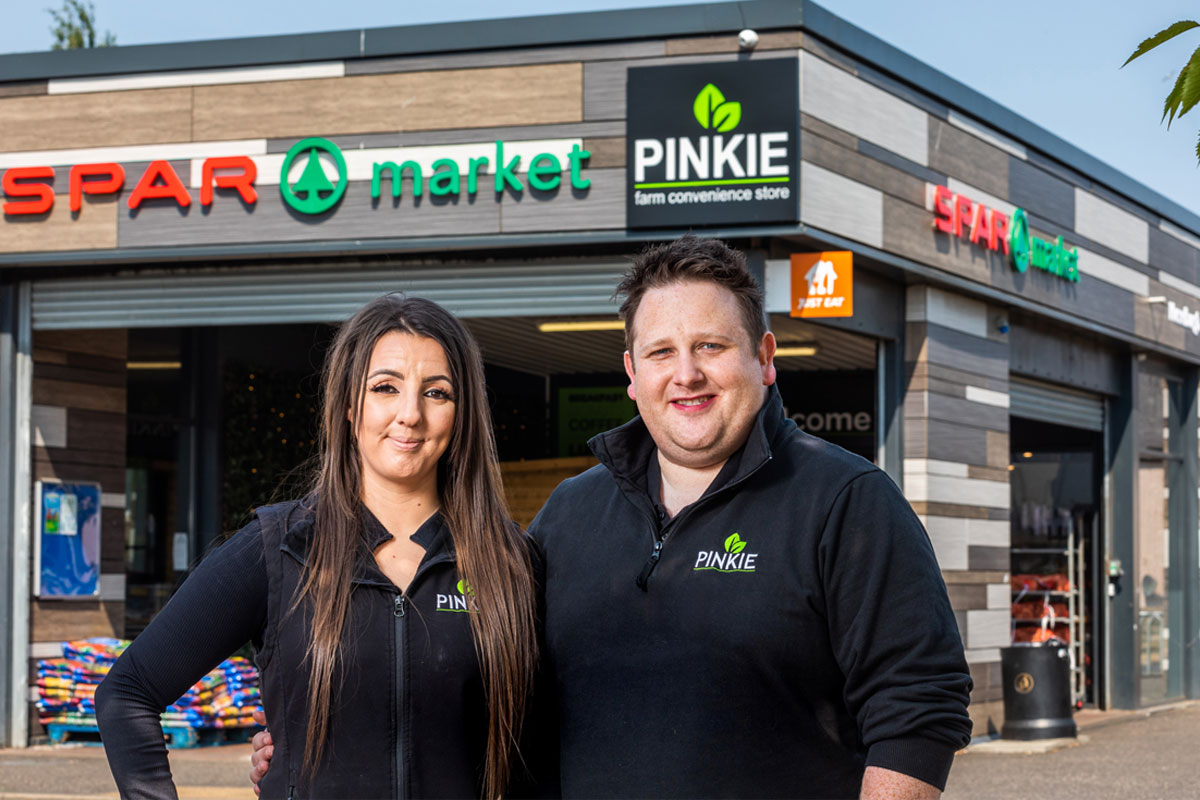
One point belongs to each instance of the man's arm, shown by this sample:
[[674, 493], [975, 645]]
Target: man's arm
[[893, 632], [885, 784]]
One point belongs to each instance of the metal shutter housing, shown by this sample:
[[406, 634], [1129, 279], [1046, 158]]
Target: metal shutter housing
[[1046, 402], [259, 296]]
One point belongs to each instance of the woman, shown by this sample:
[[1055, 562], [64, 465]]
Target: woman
[[393, 609]]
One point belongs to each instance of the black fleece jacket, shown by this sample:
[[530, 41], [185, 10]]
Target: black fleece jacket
[[773, 639], [409, 719]]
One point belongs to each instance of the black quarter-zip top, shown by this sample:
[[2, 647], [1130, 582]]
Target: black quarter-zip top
[[793, 620]]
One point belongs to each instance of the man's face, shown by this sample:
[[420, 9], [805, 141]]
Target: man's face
[[695, 374]]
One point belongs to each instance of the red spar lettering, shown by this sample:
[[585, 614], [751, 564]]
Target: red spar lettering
[[42, 191]]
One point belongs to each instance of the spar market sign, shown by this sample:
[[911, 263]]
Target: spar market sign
[[711, 144], [305, 180], [963, 218]]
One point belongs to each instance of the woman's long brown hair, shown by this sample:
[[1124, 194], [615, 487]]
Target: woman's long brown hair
[[491, 556]]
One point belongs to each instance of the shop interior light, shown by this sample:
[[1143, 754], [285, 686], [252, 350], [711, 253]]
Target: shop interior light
[[582, 325], [1027, 454], [785, 352], [153, 365]]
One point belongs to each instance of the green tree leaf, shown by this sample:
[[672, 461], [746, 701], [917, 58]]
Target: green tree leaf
[[464, 587], [709, 98], [1172, 102], [727, 116], [1190, 93], [734, 544], [1162, 36], [739, 547]]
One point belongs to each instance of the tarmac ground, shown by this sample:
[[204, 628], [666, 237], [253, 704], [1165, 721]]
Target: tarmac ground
[[1119, 755]]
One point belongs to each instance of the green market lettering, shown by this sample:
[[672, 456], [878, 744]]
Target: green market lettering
[[964, 218], [544, 173]]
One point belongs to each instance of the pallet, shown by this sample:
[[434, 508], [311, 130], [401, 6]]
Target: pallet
[[175, 736]]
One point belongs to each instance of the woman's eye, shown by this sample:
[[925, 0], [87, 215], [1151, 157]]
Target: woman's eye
[[383, 388], [438, 394]]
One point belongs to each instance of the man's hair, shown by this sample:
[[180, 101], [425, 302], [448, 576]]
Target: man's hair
[[690, 258]]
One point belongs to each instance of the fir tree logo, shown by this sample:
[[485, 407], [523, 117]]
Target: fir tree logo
[[313, 193]]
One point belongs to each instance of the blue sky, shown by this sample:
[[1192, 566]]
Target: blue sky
[[1054, 62]]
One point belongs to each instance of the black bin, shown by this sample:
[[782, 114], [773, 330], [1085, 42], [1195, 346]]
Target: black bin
[[1037, 693]]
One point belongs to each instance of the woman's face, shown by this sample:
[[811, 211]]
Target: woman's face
[[407, 413]]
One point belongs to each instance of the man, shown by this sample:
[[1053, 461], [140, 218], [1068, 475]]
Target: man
[[735, 608]]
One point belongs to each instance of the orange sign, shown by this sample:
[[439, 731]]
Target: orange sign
[[823, 284]]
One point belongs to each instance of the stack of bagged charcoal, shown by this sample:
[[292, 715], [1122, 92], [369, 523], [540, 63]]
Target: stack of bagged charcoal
[[224, 698]]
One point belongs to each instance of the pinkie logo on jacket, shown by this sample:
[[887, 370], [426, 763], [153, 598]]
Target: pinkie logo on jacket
[[463, 602], [732, 558]]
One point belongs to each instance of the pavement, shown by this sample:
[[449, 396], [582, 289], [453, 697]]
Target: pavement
[[80, 772], [1123, 755]]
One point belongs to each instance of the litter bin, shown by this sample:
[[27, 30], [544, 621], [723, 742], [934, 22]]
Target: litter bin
[[1037, 693]]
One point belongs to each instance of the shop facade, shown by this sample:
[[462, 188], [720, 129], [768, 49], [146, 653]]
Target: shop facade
[[1002, 323]]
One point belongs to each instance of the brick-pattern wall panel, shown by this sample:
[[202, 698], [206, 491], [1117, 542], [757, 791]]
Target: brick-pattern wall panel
[[955, 468]]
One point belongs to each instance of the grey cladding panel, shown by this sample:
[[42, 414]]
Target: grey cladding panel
[[504, 58], [1040, 193], [856, 166], [1172, 255], [901, 163], [601, 205], [902, 90], [227, 220], [973, 161], [965, 412], [1062, 356], [965, 352], [947, 441]]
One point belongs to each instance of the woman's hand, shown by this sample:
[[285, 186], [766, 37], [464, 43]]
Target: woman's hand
[[264, 748]]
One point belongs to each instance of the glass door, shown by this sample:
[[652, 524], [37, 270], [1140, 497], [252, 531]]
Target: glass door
[[1158, 592]]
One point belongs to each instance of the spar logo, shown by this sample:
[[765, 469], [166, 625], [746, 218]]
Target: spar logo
[[313, 193], [462, 603], [963, 218], [733, 558]]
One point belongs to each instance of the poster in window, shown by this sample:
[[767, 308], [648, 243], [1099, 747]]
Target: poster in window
[[67, 552]]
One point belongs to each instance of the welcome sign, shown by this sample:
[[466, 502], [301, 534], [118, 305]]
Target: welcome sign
[[712, 144]]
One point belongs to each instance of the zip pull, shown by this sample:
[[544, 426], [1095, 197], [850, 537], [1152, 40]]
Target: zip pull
[[291, 793], [399, 612], [643, 580]]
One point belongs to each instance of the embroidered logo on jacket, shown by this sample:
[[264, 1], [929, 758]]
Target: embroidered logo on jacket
[[463, 602], [734, 558]]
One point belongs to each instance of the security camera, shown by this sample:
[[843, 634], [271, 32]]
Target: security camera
[[747, 39]]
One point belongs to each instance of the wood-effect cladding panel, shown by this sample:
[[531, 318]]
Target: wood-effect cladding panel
[[93, 228], [839, 205], [53, 122], [393, 102], [961, 155]]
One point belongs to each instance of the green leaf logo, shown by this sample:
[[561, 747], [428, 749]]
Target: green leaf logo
[[734, 544], [464, 587], [712, 110]]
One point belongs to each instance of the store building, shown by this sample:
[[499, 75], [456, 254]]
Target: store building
[[1003, 323]]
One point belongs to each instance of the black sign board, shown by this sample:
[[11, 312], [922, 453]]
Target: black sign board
[[712, 144]]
